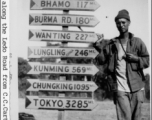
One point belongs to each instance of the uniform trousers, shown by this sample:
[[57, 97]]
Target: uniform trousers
[[128, 104]]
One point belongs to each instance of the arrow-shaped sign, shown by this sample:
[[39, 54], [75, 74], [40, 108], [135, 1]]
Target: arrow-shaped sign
[[63, 20], [38, 52], [80, 5], [35, 102], [60, 36], [56, 85], [83, 69]]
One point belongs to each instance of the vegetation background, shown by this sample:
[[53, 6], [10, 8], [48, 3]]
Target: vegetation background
[[105, 110]]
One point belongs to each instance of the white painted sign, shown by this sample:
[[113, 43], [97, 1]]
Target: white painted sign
[[35, 102], [57, 85], [38, 52], [37, 68], [63, 20], [80, 5], [60, 36]]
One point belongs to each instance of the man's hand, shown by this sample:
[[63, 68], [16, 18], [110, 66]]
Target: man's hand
[[100, 38], [132, 57]]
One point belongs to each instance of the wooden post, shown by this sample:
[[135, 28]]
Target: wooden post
[[61, 113]]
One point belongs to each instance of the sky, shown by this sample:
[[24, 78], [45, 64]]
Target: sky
[[138, 10]]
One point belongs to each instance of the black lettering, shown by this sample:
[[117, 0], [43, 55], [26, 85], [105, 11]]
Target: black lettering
[[53, 86], [38, 35], [50, 19], [39, 85], [55, 20], [54, 4], [48, 52], [35, 101], [63, 52], [60, 4], [42, 102], [4, 44], [67, 4], [42, 3], [3, 10], [65, 86], [46, 19], [4, 26], [60, 69], [78, 86], [68, 36], [43, 85], [49, 85], [57, 86], [87, 86], [63, 36], [70, 86], [34, 85], [52, 68], [43, 35], [40, 68], [60, 103], [48, 35], [68, 20], [66, 69], [54, 101], [54, 35], [46, 68], [63, 19], [35, 68], [5, 63], [36, 19], [48, 3], [48, 103]]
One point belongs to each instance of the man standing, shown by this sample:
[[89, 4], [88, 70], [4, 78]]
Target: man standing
[[126, 57]]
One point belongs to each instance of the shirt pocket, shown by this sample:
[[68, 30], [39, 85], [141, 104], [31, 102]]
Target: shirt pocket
[[134, 66], [141, 96]]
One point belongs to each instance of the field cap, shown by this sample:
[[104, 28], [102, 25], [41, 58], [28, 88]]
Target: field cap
[[122, 14]]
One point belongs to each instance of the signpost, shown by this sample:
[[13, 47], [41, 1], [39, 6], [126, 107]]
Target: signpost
[[81, 69], [59, 52], [57, 85], [80, 5], [63, 20], [63, 36], [36, 102]]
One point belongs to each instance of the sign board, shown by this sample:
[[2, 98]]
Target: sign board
[[57, 52], [63, 20], [60, 36], [81, 5], [35, 102], [57, 85], [83, 69]]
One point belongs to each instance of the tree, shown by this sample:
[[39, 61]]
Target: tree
[[23, 67], [147, 86]]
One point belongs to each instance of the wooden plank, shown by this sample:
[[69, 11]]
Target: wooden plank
[[35, 102], [60, 52], [57, 85], [83, 69], [80, 5], [63, 20], [61, 113], [63, 36]]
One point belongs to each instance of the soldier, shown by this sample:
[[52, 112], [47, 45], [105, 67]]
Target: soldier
[[126, 57]]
